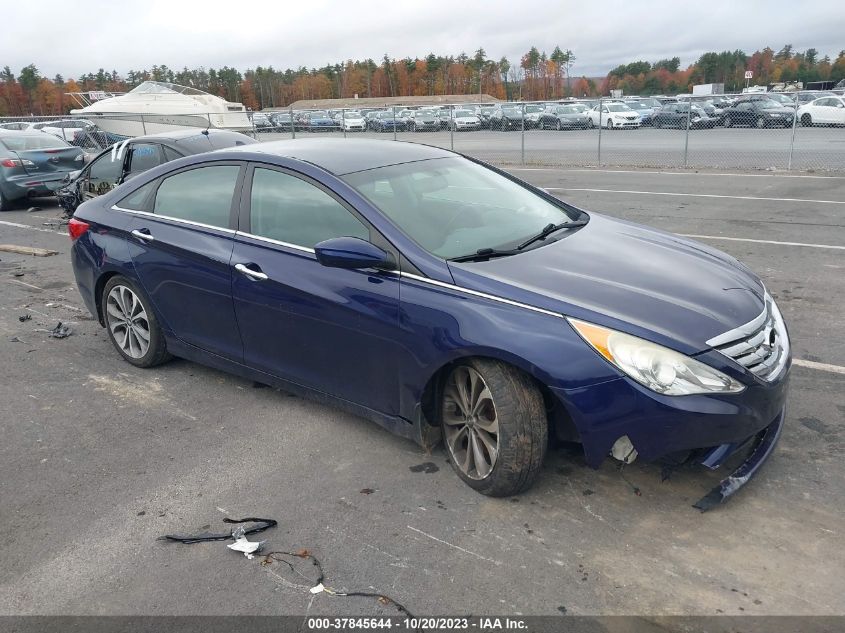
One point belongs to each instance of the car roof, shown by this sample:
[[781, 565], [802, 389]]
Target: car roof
[[345, 156]]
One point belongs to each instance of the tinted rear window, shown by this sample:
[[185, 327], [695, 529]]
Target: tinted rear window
[[31, 142]]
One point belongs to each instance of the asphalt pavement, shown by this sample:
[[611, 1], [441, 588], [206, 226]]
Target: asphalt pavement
[[98, 459]]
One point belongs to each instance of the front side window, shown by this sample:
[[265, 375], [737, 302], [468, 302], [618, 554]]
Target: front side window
[[201, 195], [104, 174], [289, 209], [453, 206]]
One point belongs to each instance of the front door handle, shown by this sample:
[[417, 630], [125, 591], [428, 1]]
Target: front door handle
[[143, 234], [249, 272]]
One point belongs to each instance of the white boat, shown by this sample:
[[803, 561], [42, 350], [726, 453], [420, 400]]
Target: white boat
[[156, 107]]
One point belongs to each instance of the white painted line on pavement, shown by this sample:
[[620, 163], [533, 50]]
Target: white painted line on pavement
[[673, 173], [836, 369], [747, 239], [17, 225], [696, 195]]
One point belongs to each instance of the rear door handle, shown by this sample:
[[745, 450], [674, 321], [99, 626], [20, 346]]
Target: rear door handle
[[249, 272], [143, 235]]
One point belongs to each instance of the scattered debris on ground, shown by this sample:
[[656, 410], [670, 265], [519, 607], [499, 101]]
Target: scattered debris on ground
[[262, 524], [61, 330], [250, 548], [27, 250], [24, 317]]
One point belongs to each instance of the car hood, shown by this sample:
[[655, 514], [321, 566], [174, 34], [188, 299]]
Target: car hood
[[652, 284]]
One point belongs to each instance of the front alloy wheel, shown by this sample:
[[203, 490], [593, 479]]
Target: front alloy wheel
[[494, 426]]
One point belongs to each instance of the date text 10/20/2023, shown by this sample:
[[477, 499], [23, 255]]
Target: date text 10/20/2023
[[417, 624]]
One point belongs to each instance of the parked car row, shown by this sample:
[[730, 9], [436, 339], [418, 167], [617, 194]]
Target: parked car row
[[762, 110]]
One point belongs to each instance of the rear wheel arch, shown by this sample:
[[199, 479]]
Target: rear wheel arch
[[102, 280]]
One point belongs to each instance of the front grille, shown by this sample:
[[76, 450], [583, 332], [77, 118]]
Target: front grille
[[761, 346]]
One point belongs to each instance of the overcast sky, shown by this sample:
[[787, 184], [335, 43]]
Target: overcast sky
[[73, 38]]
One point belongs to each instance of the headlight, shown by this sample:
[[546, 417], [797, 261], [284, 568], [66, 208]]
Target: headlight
[[660, 369]]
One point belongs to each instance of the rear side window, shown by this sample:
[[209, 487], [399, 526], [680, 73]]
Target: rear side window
[[291, 210], [201, 195], [144, 156], [139, 200]]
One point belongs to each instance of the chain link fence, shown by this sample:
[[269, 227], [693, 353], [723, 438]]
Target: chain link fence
[[765, 131]]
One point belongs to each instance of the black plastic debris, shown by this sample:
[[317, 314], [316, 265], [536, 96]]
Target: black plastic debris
[[202, 537], [24, 317], [61, 331], [18, 273]]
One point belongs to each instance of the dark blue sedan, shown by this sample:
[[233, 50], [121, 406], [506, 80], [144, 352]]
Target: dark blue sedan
[[440, 297]]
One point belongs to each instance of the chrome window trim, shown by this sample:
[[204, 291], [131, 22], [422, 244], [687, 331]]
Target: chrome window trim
[[172, 219], [270, 240], [482, 295]]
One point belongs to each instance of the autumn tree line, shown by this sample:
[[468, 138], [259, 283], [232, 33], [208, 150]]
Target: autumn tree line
[[537, 76]]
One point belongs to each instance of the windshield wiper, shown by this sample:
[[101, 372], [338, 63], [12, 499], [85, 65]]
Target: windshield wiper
[[548, 230], [481, 254]]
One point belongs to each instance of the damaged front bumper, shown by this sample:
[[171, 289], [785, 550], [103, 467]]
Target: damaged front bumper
[[762, 446]]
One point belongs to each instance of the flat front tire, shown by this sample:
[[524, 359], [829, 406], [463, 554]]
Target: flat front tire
[[131, 323], [494, 426]]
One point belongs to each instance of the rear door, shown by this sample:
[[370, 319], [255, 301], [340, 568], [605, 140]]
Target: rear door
[[329, 329], [181, 245], [143, 156]]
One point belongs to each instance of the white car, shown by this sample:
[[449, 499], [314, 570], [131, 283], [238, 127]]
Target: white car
[[823, 111], [613, 116], [65, 129], [351, 121], [465, 120]]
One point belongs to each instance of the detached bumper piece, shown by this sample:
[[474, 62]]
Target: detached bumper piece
[[761, 448]]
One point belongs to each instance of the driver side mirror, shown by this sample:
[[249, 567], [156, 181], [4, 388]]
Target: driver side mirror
[[352, 253]]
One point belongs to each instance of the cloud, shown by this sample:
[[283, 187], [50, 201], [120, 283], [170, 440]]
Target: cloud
[[212, 33]]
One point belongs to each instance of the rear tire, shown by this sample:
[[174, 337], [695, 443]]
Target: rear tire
[[806, 120], [5, 203], [590, 124], [760, 123], [494, 426], [557, 125], [131, 323], [728, 122]]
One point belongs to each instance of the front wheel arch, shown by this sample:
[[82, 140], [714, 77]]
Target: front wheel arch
[[560, 420]]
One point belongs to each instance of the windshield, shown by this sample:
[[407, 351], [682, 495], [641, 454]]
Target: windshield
[[618, 107], [568, 110], [352, 115], [424, 115], [453, 206], [533, 108], [510, 111], [319, 114], [770, 105], [385, 115], [463, 113], [31, 141]]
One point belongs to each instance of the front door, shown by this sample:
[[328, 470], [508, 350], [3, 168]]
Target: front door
[[329, 329], [181, 247]]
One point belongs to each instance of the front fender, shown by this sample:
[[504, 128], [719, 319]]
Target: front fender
[[440, 324]]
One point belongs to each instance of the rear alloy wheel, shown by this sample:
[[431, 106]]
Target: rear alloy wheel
[[609, 123], [728, 122], [557, 125], [131, 324], [806, 120], [761, 122], [494, 427], [590, 124]]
